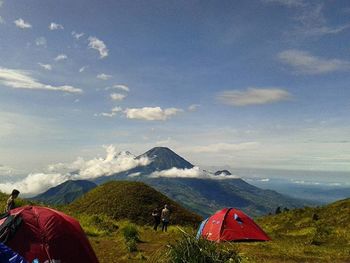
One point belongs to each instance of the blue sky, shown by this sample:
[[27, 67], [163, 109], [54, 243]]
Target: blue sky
[[256, 84]]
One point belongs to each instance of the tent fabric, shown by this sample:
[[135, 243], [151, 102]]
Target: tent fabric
[[231, 224], [9, 256], [47, 235]]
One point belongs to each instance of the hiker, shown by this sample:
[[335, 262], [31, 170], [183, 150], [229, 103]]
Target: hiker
[[156, 217], [11, 201], [165, 216]]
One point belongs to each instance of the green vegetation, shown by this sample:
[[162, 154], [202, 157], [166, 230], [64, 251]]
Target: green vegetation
[[131, 236], [133, 201], [191, 250]]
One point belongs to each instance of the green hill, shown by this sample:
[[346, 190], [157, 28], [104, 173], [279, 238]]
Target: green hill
[[133, 201]]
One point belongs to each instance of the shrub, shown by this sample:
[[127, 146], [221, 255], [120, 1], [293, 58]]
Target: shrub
[[131, 236], [191, 250]]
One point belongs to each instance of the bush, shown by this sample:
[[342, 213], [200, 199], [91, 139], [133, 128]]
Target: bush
[[130, 232], [131, 236], [191, 250]]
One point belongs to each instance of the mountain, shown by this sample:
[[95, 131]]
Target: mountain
[[65, 193], [132, 201], [203, 195], [222, 172]]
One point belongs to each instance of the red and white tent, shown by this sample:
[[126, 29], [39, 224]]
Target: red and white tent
[[231, 224]]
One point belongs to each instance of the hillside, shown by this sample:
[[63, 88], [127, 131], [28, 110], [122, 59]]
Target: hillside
[[133, 201], [305, 235], [65, 193]]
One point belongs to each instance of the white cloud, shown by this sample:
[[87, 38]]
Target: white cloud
[[41, 41], [253, 96], [76, 35], [21, 24], [117, 96], [288, 3], [193, 107], [82, 69], [151, 113], [113, 163], [45, 66], [113, 112], [119, 87], [194, 172], [1, 3], [223, 147], [55, 26], [305, 63], [98, 45], [20, 79], [103, 76], [34, 183], [60, 57]]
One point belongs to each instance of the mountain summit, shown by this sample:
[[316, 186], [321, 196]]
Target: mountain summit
[[163, 159]]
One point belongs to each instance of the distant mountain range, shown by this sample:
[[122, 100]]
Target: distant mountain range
[[66, 192], [201, 194]]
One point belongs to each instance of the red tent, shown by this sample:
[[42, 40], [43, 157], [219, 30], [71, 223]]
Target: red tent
[[46, 235], [230, 224]]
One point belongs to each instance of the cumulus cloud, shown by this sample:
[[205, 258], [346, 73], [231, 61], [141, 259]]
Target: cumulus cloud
[[103, 76], [117, 96], [60, 57], [98, 45], [194, 172], [119, 87], [21, 24], [76, 35], [41, 41], [55, 26], [151, 113], [305, 63], [112, 163], [224, 147], [253, 96], [34, 183], [45, 66], [19, 79]]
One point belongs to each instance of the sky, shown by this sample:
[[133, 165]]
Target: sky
[[248, 84]]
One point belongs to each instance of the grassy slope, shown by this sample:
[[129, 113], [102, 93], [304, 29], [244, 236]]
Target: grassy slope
[[298, 237], [133, 201]]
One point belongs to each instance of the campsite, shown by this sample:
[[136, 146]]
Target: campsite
[[174, 131], [295, 235]]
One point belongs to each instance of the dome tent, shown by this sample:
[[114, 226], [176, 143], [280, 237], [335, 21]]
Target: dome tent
[[8, 256], [41, 234], [231, 224]]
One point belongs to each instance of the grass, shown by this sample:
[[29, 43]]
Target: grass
[[133, 201]]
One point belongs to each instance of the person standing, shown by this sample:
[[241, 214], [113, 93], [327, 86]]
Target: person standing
[[165, 216], [156, 218], [11, 201]]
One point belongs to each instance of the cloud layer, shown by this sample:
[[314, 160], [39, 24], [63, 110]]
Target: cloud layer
[[253, 96], [113, 162], [19, 79], [305, 63]]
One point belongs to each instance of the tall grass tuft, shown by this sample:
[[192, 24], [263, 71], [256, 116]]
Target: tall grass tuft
[[188, 249], [131, 236]]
